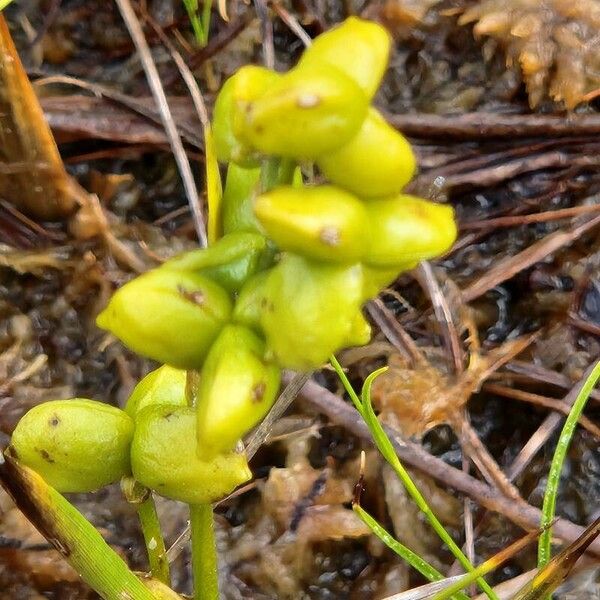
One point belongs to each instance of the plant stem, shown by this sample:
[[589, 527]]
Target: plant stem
[[155, 543], [269, 173], [564, 440], [412, 558], [71, 534], [204, 553]]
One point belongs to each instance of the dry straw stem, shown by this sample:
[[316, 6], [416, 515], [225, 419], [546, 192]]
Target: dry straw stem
[[34, 178]]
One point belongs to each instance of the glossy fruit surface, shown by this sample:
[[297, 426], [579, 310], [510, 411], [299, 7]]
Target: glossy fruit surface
[[164, 457], [245, 85], [358, 47], [237, 388], [168, 315], [321, 222], [165, 385], [76, 445], [405, 230], [251, 302], [307, 112], [312, 309], [377, 161]]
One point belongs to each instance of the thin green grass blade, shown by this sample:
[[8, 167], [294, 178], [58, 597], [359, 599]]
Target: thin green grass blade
[[384, 445], [564, 441], [412, 558], [191, 6]]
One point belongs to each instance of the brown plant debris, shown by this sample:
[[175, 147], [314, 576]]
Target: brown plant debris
[[555, 43], [32, 173]]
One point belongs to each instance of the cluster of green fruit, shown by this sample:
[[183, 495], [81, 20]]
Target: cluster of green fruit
[[282, 288]]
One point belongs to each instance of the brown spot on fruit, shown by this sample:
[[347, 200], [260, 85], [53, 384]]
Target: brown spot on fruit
[[46, 456], [258, 392]]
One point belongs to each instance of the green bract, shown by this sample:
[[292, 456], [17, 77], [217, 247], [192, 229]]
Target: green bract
[[357, 47], [378, 161], [405, 230], [76, 445], [164, 458], [312, 309], [321, 222], [307, 112], [240, 188], [165, 385], [168, 315], [245, 85], [228, 262], [237, 388]]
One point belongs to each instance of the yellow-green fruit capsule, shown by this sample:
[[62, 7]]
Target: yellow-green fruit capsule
[[321, 222], [168, 315], [406, 230], [307, 112], [237, 389], [359, 48], [241, 186], [377, 279], [251, 301], [165, 385], [76, 445], [164, 458], [312, 310], [229, 261], [245, 85], [377, 161]]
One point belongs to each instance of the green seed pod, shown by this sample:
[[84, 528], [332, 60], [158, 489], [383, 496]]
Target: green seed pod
[[165, 385], [406, 230], [377, 161], [170, 316], [76, 445], [228, 262], [247, 84], [251, 301], [240, 189], [164, 458], [321, 222], [312, 309], [307, 112], [237, 389], [359, 48]]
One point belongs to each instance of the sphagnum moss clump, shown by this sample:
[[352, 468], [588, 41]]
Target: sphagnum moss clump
[[282, 288]]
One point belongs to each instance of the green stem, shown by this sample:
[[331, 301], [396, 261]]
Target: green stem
[[384, 445], [204, 553], [412, 558], [269, 173], [155, 544], [564, 441]]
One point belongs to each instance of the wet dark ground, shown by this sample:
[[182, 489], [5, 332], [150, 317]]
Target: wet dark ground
[[274, 542]]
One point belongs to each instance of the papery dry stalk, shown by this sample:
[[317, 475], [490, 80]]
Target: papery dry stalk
[[33, 176]]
